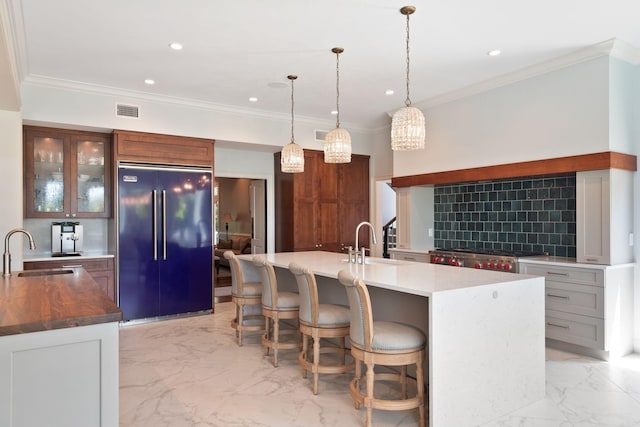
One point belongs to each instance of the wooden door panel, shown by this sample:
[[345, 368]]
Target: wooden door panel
[[353, 179], [328, 226], [352, 214], [304, 225]]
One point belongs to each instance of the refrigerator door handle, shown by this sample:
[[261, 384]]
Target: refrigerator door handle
[[155, 225], [164, 224]]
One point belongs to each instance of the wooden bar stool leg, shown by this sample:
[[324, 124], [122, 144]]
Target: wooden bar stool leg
[[304, 355], [403, 381], [267, 333], [368, 403], [357, 378], [420, 385], [276, 334], [316, 361], [240, 323]]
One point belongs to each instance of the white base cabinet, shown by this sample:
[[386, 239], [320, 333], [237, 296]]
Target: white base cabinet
[[590, 306], [60, 378]]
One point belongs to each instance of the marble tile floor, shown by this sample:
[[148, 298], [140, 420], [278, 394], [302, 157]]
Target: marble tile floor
[[191, 372]]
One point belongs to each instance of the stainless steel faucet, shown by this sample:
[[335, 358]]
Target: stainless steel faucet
[[373, 234], [6, 257]]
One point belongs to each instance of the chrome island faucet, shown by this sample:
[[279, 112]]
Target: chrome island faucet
[[375, 241], [6, 257]]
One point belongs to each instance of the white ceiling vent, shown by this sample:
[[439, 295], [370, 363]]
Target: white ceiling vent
[[321, 135], [132, 111]]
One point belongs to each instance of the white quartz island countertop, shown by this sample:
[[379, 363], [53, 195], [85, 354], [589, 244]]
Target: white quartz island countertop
[[485, 329], [409, 277]]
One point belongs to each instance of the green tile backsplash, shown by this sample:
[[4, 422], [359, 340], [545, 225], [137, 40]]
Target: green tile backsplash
[[527, 214]]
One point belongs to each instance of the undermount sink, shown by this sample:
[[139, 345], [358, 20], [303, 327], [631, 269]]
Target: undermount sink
[[35, 273]]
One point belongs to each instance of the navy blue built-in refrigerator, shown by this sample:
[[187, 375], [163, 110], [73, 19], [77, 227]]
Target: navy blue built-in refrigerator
[[165, 241]]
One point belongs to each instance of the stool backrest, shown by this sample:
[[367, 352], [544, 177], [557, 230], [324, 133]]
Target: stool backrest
[[241, 271], [269, 282], [308, 291], [361, 329]]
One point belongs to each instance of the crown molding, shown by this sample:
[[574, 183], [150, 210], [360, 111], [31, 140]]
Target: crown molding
[[613, 47], [10, 68], [63, 84]]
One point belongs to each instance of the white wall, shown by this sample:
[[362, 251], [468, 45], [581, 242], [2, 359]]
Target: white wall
[[622, 115], [557, 114], [11, 181], [635, 89]]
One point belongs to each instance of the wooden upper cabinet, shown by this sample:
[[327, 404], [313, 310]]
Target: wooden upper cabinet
[[67, 174], [163, 149], [315, 208]]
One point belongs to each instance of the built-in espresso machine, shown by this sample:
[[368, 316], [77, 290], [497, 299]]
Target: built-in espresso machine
[[66, 238]]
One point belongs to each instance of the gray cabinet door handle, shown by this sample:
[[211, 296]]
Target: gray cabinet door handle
[[557, 325], [558, 296]]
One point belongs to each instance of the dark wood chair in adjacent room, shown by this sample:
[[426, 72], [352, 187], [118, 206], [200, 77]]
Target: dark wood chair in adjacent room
[[276, 305], [382, 343], [246, 295], [318, 321]]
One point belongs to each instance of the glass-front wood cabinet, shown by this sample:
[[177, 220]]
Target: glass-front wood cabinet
[[67, 173]]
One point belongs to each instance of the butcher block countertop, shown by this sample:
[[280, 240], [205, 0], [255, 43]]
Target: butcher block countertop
[[34, 302]]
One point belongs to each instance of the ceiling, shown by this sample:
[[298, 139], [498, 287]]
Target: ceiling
[[236, 49]]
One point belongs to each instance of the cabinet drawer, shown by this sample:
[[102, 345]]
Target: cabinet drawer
[[98, 264], [410, 256], [576, 299], [572, 328], [587, 276]]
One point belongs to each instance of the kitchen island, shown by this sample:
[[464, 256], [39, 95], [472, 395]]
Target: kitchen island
[[58, 350], [485, 329]]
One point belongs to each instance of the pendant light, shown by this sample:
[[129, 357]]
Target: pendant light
[[292, 160], [337, 143], [407, 125]]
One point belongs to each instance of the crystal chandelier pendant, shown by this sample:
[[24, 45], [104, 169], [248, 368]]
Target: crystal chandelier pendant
[[337, 143], [292, 159], [408, 124], [407, 129], [337, 146]]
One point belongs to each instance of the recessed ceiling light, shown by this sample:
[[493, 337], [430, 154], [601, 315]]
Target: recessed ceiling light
[[334, 112], [389, 92], [175, 46], [253, 99], [494, 52], [149, 81]]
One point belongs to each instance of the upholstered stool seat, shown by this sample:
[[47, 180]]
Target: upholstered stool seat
[[246, 295], [382, 343], [276, 305], [319, 321]]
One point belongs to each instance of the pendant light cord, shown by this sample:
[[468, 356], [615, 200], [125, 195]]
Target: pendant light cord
[[292, 138], [407, 101], [337, 89]]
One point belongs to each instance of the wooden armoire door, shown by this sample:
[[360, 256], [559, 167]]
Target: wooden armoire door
[[353, 201]]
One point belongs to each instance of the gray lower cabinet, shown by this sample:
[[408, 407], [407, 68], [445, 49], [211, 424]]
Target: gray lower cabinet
[[588, 306]]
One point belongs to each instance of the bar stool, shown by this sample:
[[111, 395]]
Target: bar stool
[[382, 343], [319, 321], [244, 295], [276, 305]]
